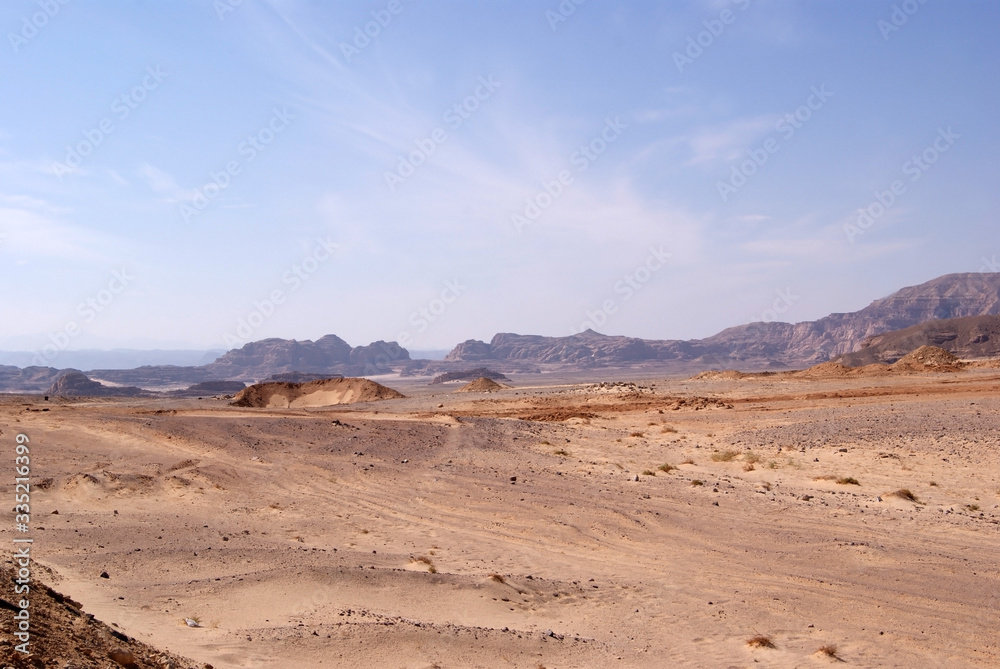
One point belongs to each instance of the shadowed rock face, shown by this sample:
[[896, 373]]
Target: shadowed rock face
[[758, 344], [971, 337]]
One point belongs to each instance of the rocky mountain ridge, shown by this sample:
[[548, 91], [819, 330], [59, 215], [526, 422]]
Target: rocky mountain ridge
[[755, 345]]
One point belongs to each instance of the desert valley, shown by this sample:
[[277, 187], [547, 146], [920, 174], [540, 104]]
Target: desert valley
[[582, 517]]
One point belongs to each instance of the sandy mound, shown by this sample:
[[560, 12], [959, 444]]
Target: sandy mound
[[721, 375], [482, 385], [928, 359], [322, 393]]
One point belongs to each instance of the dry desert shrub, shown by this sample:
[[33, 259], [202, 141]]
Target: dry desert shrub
[[751, 458], [648, 472], [724, 456], [666, 468], [972, 507], [748, 467], [903, 493], [562, 451], [847, 480], [667, 429], [933, 484], [828, 650], [636, 434], [423, 559], [687, 461], [697, 482], [760, 641], [498, 578]]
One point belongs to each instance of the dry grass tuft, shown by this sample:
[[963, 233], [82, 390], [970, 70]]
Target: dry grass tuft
[[828, 650], [562, 451], [666, 468], [423, 559], [751, 458], [697, 482], [687, 461], [972, 507], [748, 467], [498, 578], [933, 484], [848, 480], [668, 429], [760, 641], [724, 456], [648, 472], [903, 493], [636, 434]]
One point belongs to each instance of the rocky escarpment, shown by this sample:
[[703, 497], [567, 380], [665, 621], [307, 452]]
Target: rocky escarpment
[[968, 338]]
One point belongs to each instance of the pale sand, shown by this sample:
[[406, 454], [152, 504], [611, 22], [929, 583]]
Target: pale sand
[[301, 542]]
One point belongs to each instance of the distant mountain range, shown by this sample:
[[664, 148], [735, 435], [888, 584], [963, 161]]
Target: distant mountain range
[[920, 312], [755, 345]]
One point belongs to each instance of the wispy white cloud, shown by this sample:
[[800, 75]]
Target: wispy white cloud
[[31, 232], [162, 183], [726, 142]]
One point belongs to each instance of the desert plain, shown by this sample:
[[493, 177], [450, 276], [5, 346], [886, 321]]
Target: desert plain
[[601, 520]]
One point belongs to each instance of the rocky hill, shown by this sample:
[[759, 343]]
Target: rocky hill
[[755, 345], [325, 357], [76, 384], [968, 338], [27, 380]]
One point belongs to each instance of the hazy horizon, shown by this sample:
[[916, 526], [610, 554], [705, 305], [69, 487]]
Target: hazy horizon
[[196, 175]]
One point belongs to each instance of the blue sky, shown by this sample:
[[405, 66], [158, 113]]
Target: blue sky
[[190, 174]]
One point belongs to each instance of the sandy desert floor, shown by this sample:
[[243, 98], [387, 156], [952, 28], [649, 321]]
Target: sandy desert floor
[[509, 530]]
